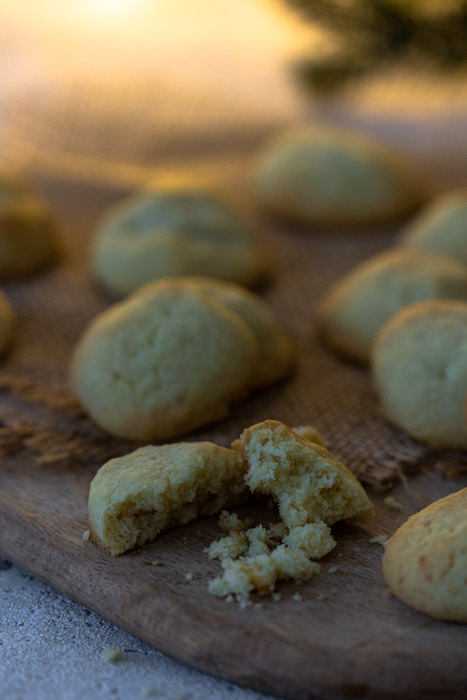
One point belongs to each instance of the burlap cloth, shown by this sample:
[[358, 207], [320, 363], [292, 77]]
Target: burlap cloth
[[38, 411]]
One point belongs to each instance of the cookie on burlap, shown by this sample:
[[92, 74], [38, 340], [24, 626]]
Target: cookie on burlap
[[353, 311], [276, 356], [160, 365], [134, 498], [171, 233], [441, 227], [333, 178], [419, 365], [28, 237], [7, 322], [425, 563], [308, 482]]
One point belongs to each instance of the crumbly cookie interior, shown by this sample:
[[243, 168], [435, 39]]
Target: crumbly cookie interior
[[313, 490], [306, 480]]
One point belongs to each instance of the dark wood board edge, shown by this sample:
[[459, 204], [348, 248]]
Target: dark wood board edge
[[236, 657]]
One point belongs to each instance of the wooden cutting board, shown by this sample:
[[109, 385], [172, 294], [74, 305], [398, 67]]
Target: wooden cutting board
[[357, 641]]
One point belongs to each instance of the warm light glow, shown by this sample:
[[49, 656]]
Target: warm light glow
[[108, 9]]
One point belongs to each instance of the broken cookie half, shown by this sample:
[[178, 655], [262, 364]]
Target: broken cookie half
[[312, 489], [134, 498]]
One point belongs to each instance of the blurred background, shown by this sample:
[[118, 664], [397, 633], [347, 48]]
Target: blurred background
[[116, 89]]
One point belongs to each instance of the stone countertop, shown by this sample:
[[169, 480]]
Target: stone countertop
[[51, 647]]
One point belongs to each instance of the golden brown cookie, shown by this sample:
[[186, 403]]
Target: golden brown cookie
[[134, 498], [425, 563], [306, 480], [441, 227], [419, 366], [354, 310], [172, 233], [160, 365], [276, 356], [332, 178], [28, 235]]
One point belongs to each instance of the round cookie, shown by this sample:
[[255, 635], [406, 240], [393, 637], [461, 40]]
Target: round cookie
[[160, 365], [332, 178], [419, 364], [441, 227], [7, 322], [425, 563], [175, 232], [354, 310], [275, 350], [27, 231]]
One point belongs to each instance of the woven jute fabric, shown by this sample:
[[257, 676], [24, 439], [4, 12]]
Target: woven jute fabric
[[39, 414]]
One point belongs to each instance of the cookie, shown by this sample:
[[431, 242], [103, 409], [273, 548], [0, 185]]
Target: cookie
[[7, 322], [160, 365], [313, 490], [28, 236], [171, 233], [308, 482], [441, 227], [353, 311], [134, 498], [276, 356], [425, 563], [330, 178], [419, 366]]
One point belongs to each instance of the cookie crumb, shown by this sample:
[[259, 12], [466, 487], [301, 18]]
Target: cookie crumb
[[189, 576], [392, 504], [86, 535], [333, 569], [112, 654], [380, 539], [297, 597], [156, 562]]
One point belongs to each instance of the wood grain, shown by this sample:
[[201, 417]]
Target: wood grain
[[358, 642]]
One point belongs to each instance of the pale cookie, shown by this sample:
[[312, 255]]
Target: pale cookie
[[158, 366], [308, 482], [425, 563], [310, 433], [7, 322], [335, 179], [134, 498], [171, 233], [354, 310], [276, 355], [419, 365], [441, 228], [28, 238]]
